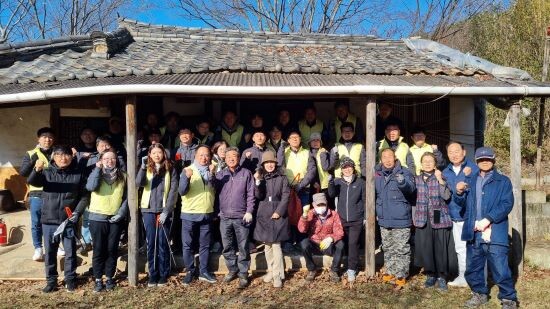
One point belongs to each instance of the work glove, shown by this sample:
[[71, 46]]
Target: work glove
[[162, 218], [74, 217], [305, 210], [325, 244], [115, 219], [400, 178], [330, 178], [247, 218], [144, 162]]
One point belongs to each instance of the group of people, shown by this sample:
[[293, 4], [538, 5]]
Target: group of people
[[275, 188]]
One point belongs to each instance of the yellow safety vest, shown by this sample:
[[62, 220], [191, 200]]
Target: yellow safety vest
[[306, 131], [108, 199], [417, 153], [323, 175], [233, 139], [296, 163], [354, 154], [337, 123], [42, 157], [400, 152], [146, 195], [199, 199], [177, 142]]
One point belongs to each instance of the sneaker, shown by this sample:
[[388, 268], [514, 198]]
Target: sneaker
[[442, 284], [351, 275], [230, 276], [476, 300], [60, 252], [458, 282], [509, 304], [70, 285], [38, 255], [430, 281], [387, 278], [277, 282], [207, 277], [334, 277], [50, 287], [188, 278], [98, 287], [243, 283], [162, 282], [400, 282], [110, 284], [267, 278], [310, 275], [152, 283]]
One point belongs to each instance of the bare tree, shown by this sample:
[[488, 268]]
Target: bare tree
[[12, 13], [320, 16]]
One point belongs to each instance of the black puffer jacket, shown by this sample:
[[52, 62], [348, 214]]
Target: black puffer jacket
[[61, 188], [351, 198], [272, 194]]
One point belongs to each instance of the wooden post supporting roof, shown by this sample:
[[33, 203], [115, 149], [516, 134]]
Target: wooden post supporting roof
[[370, 215], [133, 227], [516, 216]]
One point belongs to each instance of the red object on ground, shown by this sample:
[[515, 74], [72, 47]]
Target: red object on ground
[[3, 233]]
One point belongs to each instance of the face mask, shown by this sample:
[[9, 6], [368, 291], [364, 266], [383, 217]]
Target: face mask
[[320, 210]]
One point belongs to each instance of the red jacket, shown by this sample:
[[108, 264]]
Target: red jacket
[[317, 230]]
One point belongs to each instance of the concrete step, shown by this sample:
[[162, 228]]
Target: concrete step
[[537, 253]]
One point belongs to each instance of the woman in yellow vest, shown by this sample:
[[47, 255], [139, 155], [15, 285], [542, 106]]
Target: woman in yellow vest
[[348, 148], [420, 147], [107, 211], [159, 181]]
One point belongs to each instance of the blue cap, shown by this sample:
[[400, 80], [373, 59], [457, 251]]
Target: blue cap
[[485, 153]]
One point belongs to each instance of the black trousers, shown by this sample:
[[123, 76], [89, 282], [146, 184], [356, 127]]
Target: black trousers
[[352, 234], [51, 245], [309, 248], [105, 237]]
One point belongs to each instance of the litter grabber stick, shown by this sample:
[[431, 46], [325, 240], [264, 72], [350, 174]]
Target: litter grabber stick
[[169, 247]]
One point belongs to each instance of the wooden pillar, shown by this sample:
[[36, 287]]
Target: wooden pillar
[[516, 216], [133, 227], [370, 213]]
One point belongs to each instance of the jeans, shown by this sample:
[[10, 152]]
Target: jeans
[[335, 250], [496, 257], [192, 231], [157, 242], [352, 234], [85, 230], [35, 205], [50, 257], [460, 247], [231, 230], [105, 238]]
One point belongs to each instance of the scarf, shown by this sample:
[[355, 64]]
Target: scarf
[[203, 170], [348, 179], [109, 175]]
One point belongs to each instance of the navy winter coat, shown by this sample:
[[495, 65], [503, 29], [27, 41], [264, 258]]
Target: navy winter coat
[[393, 207]]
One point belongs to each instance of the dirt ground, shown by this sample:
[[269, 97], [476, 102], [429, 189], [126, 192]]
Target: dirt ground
[[532, 288]]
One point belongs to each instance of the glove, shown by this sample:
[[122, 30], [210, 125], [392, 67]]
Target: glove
[[144, 161], [400, 178], [34, 157], [325, 244], [247, 218], [115, 219], [74, 217], [305, 210], [163, 217], [330, 177]]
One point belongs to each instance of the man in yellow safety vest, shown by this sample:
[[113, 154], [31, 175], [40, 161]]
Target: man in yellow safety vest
[[310, 124], [394, 140], [347, 147], [420, 147]]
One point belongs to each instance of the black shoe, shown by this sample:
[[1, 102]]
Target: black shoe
[[334, 277], [243, 283], [229, 277], [50, 287], [162, 282], [188, 278], [152, 283], [110, 284], [310, 275], [208, 277], [98, 287], [70, 285]]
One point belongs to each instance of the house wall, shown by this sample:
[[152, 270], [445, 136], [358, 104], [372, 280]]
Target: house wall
[[18, 134], [462, 123]]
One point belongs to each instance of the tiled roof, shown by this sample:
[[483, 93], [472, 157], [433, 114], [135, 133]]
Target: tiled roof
[[138, 49]]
